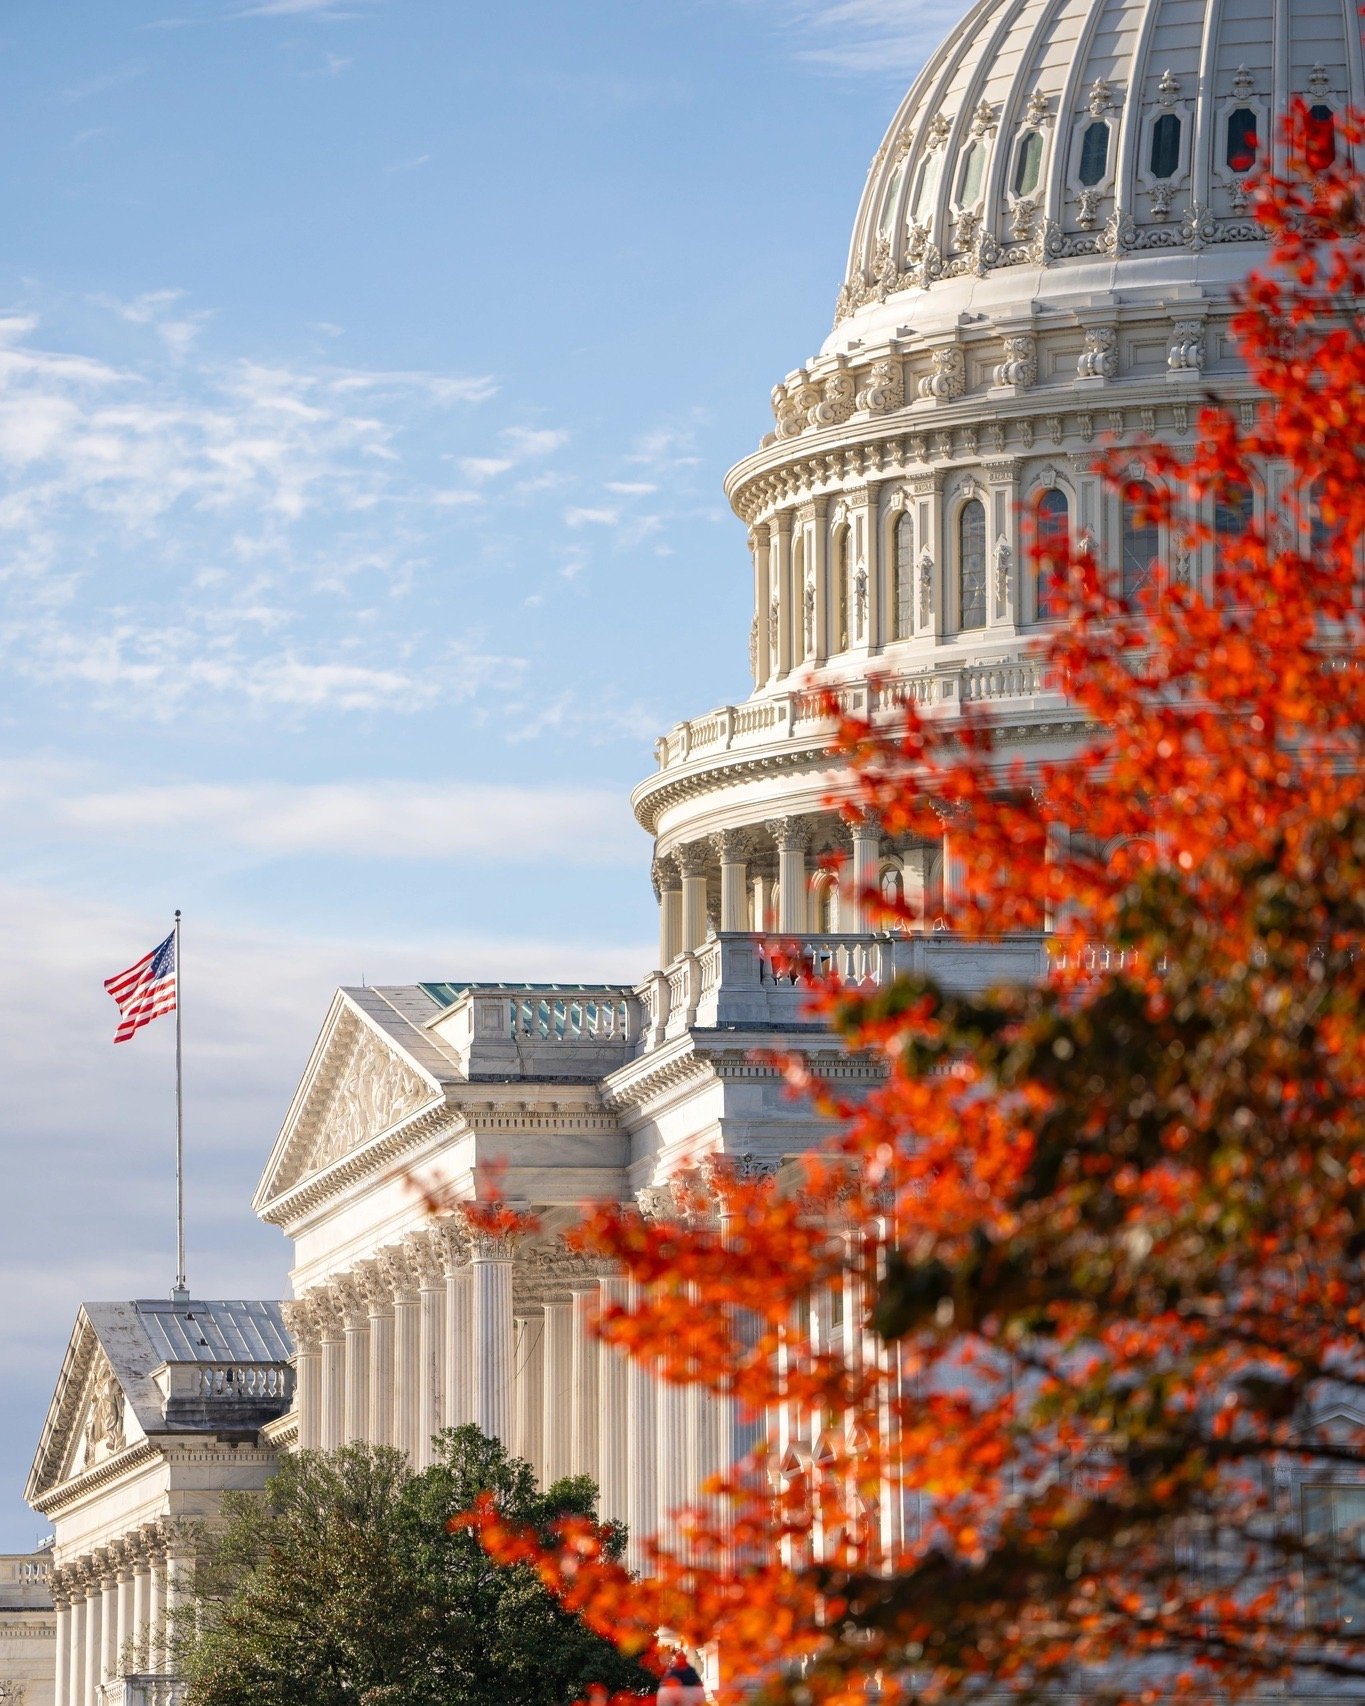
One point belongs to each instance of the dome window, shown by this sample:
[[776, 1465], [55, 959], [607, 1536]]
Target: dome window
[[924, 189], [1054, 528], [886, 224], [970, 174], [903, 588], [1165, 155], [1141, 540], [1094, 153], [1028, 163], [1241, 150], [971, 564]]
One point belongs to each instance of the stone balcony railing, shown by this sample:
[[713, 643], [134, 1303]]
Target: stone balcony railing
[[737, 980], [142, 1689], [800, 713], [541, 1030]]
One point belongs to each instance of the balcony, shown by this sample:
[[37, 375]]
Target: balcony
[[735, 981]]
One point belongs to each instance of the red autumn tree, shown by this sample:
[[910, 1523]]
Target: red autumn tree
[[1095, 1420]]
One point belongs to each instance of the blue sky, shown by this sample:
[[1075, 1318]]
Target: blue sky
[[368, 372]]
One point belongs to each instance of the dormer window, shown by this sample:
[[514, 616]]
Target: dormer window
[[1241, 149], [1094, 153], [1028, 163], [1165, 156]]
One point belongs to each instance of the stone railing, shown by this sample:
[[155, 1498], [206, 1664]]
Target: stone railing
[[142, 1689], [243, 1382], [743, 980], [801, 713], [546, 1030]]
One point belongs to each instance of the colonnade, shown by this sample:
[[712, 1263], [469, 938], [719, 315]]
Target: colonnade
[[764, 878], [116, 1610]]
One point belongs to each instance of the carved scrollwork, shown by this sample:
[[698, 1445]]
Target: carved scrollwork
[[947, 379], [1100, 358]]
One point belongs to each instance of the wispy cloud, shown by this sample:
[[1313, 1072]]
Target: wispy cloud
[[579, 515], [156, 308], [889, 39], [409, 165], [101, 82]]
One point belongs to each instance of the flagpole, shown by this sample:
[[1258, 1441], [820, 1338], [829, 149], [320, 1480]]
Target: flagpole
[[181, 1291]]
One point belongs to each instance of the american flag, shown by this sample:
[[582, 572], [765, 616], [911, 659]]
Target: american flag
[[146, 990]]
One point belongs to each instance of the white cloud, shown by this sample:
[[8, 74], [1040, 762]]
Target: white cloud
[[578, 516], [526, 442], [889, 39], [409, 165], [178, 331], [484, 467], [104, 80], [632, 488]]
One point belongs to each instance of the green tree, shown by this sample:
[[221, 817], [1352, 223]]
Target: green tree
[[345, 1584]]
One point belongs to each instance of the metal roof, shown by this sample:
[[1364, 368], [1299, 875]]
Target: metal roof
[[231, 1331]]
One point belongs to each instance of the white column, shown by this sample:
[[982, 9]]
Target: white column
[[75, 1662], [674, 1490], [332, 1431], [142, 1584], [93, 1641], [792, 836], [156, 1613], [455, 1253], [668, 887], [407, 1326], [124, 1622], [529, 1425], [61, 1686], [491, 1267], [301, 1319], [642, 1503], [560, 1396], [729, 845], [862, 873], [108, 1616], [179, 1571], [355, 1319], [779, 568], [379, 1366], [613, 1434], [764, 662], [586, 1359], [954, 878], [431, 1343], [692, 863]]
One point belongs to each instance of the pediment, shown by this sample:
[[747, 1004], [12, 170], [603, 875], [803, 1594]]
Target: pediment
[[90, 1419], [358, 1086]]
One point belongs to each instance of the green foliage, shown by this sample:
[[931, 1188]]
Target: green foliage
[[345, 1586]]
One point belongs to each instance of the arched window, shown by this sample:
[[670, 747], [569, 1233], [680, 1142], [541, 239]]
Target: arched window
[[1165, 157], [824, 905], [839, 626], [1234, 509], [1141, 540], [970, 174], [1028, 163], [1054, 534], [1241, 149], [903, 592], [1320, 138], [924, 189], [1320, 535], [1094, 153], [886, 223], [971, 564]]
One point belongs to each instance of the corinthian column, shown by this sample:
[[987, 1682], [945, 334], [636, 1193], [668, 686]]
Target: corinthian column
[[613, 1437], [583, 1380], [491, 1266], [692, 863], [457, 1404], [406, 1351], [729, 845], [301, 1320], [332, 1431], [529, 1434], [431, 1339], [125, 1624], [61, 1604], [355, 1318], [792, 837], [642, 1499], [560, 1396], [867, 841], [75, 1660], [108, 1614], [379, 1365], [668, 887], [93, 1642]]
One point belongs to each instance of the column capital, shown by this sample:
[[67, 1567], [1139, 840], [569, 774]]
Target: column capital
[[301, 1318], [352, 1300], [780, 523], [485, 1246], [731, 846], [791, 834], [450, 1238], [326, 1311], [693, 857], [867, 826], [374, 1280], [399, 1271], [426, 1259]]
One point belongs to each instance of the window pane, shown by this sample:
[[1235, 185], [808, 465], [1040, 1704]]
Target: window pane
[[1234, 510], [972, 565], [1141, 542], [924, 189], [969, 180], [905, 577], [1334, 1521], [1320, 138], [1029, 163], [1241, 139], [1165, 146], [1094, 152], [1053, 532], [893, 190]]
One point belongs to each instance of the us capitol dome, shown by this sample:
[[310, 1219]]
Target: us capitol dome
[[1041, 264]]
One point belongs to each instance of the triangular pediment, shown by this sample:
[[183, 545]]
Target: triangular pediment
[[358, 1085], [90, 1419]]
